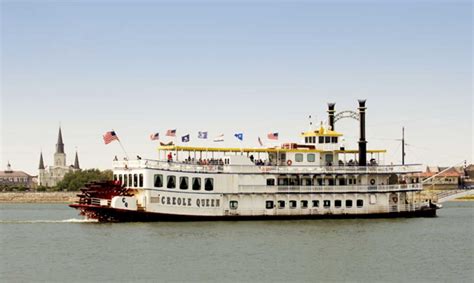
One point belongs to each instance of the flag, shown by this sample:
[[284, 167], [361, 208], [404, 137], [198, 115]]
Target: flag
[[110, 137], [240, 136], [272, 136], [219, 138], [171, 133], [155, 136], [202, 135], [260, 141], [185, 138]]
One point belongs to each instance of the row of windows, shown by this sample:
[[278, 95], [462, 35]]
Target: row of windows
[[196, 183], [14, 179], [130, 180], [310, 157], [310, 182], [269, 204], [321, 140]]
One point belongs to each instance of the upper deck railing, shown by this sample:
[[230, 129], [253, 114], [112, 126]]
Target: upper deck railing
[[255, 169]]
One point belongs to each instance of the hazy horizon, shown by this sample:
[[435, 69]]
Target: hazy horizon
[[256, 68]]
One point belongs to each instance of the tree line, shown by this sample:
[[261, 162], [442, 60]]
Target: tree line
[[72, 181]]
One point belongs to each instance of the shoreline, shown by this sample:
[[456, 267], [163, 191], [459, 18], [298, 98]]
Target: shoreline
[[38, 197], [70, 197]]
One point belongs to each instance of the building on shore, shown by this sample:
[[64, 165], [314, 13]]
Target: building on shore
[[50, 176], [449, 179], [13, 178], [469, 176]]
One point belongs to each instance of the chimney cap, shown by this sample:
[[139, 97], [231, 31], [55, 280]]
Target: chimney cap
[[362, 102]]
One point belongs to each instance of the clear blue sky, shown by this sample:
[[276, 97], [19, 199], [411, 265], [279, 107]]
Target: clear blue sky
[[244, 66]]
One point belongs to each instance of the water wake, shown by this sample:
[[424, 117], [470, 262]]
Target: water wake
[[72, 220]]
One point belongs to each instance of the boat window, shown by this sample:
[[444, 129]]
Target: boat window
[[327, 139], [334, 139], [308, 182], [338, 203], [306, 140], [292, 203], [269, 204], [233, 204], [130, 180], [320, 181], [348, 203], [120, 179], [281, 204], [158, 181], [125, 180], [209, 184], [171, 182], [271, 182], [327, 203], [315, 203], [115, 177], [321, 139], [360, 203], [304, 204], [196, 184], [183, 183], [135, 180], [299, 157], [283, 181], [140, 180], [311, 157], [373, 199]]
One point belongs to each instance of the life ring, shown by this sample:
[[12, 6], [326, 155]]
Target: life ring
[[289, 162], [395, 199], [372, 181]]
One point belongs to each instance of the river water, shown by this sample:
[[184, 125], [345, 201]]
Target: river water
[[51, 243]]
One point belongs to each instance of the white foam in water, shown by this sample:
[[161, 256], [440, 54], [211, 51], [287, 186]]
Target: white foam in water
[[72, 220]]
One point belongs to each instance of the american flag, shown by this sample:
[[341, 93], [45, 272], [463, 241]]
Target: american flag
[[171, 133], [272, 136], [155, 136], [110, 137]]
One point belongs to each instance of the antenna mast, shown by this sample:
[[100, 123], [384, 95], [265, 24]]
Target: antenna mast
[[403, 145]]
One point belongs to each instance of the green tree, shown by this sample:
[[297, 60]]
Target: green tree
[[73, 181]]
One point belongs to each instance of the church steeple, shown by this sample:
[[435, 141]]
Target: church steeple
[[41, 164], [60, 144], [76, 161]]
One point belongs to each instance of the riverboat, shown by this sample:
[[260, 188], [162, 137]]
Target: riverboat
[[315, 178]]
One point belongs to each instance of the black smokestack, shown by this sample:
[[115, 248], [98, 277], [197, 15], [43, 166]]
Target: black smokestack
[[331, 113], [362, 141]]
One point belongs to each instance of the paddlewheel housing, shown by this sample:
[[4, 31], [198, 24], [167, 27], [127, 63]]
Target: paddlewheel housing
[[95, 199]]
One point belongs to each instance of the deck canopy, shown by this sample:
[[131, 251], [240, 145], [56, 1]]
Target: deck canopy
[[321, 132]]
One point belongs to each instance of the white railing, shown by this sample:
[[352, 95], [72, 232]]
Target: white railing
[[328, 189], [300, 169]]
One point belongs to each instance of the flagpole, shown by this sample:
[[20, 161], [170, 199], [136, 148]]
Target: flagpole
[[121, 145]]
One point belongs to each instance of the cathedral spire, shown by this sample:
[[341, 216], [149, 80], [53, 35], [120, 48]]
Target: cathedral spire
[[41, 164], [60, 144], [76, 161]]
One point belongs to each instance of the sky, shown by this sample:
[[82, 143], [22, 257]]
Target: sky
[[236, 66]]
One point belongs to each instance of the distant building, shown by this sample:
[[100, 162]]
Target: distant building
[[50, 176], [469, 176], [449, 179], [16, 178]]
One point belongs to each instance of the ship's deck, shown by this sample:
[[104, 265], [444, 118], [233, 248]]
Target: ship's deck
[[264, 169]]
